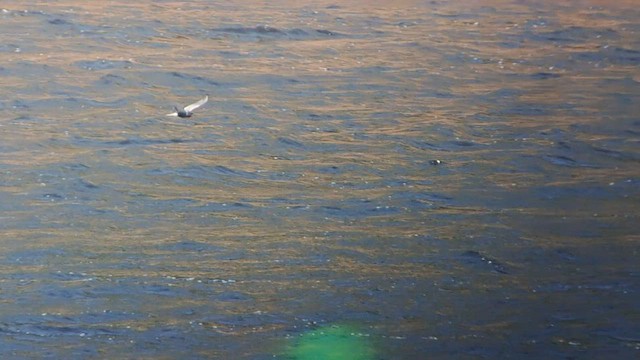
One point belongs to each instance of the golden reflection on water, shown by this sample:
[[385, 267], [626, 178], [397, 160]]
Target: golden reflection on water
[[303, 192]]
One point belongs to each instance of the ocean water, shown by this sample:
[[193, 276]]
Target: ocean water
[[427, 179]]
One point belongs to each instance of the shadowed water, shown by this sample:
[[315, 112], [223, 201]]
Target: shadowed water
[[442, 179]]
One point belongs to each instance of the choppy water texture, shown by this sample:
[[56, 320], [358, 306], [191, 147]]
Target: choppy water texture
[[446, 179]]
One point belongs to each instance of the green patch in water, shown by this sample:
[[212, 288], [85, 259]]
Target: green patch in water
[[332, 343]]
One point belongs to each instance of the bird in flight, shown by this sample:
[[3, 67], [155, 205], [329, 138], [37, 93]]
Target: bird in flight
[[187, 111]]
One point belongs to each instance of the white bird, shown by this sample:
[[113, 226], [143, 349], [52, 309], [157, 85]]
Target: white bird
[[187, 111]]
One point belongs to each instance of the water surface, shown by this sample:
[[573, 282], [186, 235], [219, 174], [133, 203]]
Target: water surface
[[442, 179]]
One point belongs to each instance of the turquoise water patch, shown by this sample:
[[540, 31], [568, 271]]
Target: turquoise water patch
[[332, 343]]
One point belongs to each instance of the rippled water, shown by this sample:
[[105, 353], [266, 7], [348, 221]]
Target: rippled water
[[444, 179]]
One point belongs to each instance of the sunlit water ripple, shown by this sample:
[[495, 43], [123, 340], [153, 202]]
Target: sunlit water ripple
[[452, 180]]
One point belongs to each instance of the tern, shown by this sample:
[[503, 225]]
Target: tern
[[187, 111]]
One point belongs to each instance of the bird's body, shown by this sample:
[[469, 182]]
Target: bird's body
[[187, 111]]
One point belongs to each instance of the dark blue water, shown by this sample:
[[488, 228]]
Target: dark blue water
[[452, 180]]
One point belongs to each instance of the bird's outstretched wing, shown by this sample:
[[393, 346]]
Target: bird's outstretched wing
[[172, 114], [196, 105]]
